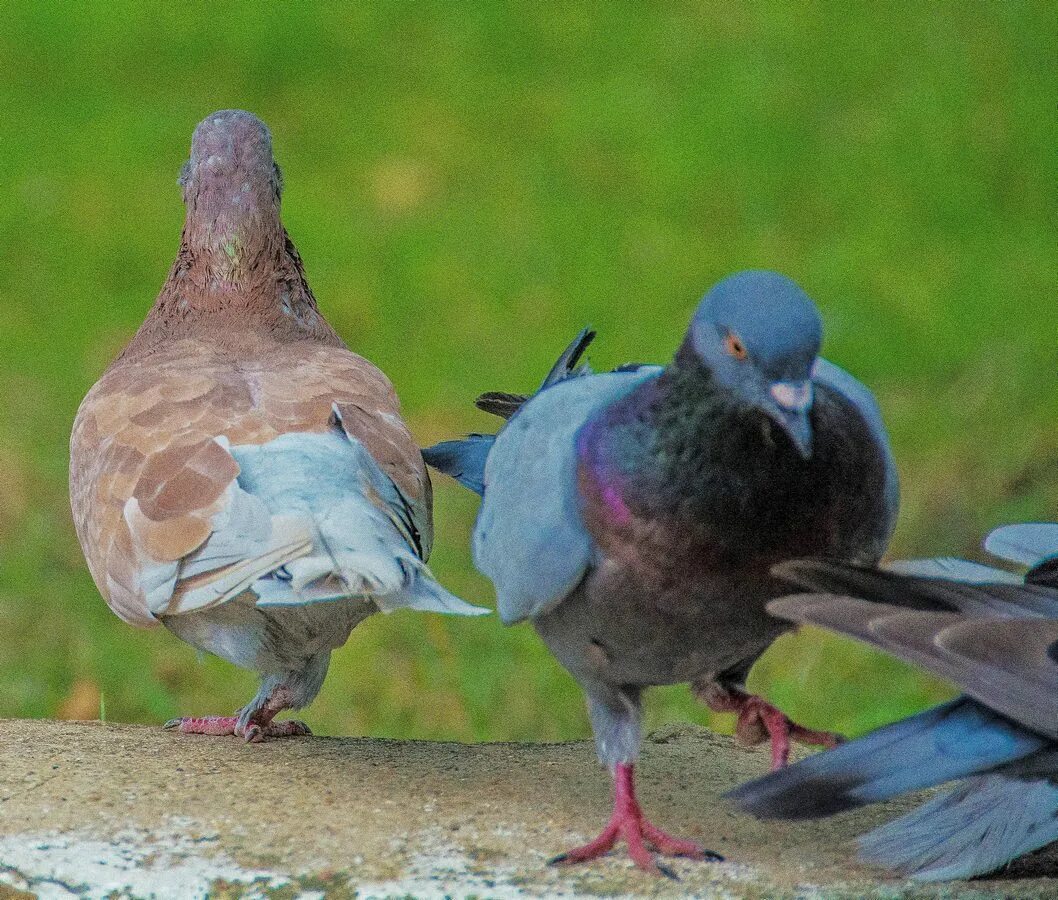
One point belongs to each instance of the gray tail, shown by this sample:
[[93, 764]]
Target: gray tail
[[567, 366], [1003, 808], [463, 460], [976, 827]]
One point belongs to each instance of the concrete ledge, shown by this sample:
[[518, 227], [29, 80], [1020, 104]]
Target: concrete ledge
[[96, 810]]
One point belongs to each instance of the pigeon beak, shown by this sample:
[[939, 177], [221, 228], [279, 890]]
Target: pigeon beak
[[793, 400]]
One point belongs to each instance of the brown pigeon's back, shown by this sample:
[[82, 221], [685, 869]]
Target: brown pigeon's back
[[237, 473], [146, 431]]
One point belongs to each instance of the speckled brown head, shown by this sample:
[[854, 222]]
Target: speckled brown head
[[237, 271], [232, 189]]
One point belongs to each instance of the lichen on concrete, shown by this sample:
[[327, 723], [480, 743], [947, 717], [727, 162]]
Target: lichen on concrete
[[93, 810]]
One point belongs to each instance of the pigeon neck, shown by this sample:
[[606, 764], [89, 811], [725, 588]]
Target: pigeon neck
[[260, 297], [662, 446], [694, 419], [232, 235]]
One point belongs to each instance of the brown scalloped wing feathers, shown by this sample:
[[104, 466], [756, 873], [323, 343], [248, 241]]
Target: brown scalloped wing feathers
[[147, 433]]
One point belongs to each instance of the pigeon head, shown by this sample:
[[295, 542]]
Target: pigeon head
[[759, 334], [232, 186]]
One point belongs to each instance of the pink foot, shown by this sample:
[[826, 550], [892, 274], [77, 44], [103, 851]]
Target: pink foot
[[253, 733], [628, 822], [759, 721]]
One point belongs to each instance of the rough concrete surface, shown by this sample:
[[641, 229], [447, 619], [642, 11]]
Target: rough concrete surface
[[99, 810]]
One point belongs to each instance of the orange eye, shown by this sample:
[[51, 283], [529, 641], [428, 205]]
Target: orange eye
[[735, 347]]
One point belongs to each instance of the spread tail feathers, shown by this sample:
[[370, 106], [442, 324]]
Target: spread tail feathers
[[950, 741], [347, 531], [979, 825], [465, 460]]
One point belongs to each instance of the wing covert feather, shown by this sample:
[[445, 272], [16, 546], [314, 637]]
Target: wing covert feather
[[1006, 664]]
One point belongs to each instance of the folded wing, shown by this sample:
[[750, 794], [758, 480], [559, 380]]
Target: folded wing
[[193, 481], [529, 538]]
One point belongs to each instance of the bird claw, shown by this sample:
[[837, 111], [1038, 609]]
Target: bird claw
[[759, 720], [252, 732], [665, 871], [638, 833], [629, 823]]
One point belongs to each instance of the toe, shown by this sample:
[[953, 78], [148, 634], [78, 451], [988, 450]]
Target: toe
[[665, 872]]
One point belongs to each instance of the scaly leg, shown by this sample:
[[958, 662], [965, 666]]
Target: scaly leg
[[759, 721], [629, 822], [253, 724]]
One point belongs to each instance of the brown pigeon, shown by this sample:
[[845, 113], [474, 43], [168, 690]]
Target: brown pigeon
[[238, 474]]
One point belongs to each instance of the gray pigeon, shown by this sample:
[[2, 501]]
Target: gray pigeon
[[998, 743], [633, 516]]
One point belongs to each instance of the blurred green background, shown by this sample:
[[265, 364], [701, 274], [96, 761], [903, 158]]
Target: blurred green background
[[469, 184]]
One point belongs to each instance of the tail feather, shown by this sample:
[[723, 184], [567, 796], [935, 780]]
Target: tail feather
[[1044, 575], [950, 741], [463, 460], [979, 825], [568, 365], [948, 568], [500, 403], [359, 538]]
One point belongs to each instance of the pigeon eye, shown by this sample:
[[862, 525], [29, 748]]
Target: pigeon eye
[[735, 347]]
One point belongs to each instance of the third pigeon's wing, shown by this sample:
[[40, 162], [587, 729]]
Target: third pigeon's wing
[[1010, 665], [1033, 544], [948, 583], [529, 538]]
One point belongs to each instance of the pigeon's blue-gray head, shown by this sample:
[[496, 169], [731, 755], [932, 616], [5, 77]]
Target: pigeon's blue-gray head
[[759, 334]]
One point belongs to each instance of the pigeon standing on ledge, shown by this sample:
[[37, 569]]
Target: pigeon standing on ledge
[[239, 475], [999, 744], [634, 516]]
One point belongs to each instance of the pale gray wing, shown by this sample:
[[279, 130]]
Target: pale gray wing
[[529, 538]]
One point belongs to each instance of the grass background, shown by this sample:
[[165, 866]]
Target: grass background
[[471, 183]]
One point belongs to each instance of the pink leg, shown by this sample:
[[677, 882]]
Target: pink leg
[[253, 733], [259, 726], [204, 724], [758, 721], [628, 822]]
